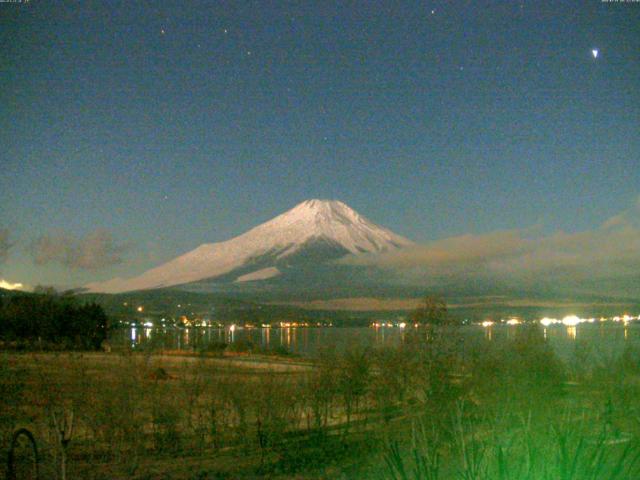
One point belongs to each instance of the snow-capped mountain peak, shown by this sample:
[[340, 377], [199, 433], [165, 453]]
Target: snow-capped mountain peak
[[330, 220], [311, 226]]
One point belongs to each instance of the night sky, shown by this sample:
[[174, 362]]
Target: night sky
[[143, 129]]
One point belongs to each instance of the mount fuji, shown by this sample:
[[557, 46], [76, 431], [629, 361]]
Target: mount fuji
[[309, 235]]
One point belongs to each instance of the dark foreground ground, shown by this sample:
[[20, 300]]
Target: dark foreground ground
[[432, 408]]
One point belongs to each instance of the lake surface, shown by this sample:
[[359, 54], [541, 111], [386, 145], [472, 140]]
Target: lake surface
[[605, 339]]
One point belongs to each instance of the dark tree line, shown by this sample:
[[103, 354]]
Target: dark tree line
[[56, 319]]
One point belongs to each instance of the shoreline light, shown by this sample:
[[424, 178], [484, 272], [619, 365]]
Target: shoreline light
[[546, 321], [571, 320]]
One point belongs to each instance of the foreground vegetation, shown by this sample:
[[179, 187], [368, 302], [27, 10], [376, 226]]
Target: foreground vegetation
[[438, 406]]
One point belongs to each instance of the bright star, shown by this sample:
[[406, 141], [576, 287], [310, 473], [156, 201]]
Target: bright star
[[595, 52]]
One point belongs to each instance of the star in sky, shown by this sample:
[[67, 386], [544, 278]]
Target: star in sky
[[595, 52]]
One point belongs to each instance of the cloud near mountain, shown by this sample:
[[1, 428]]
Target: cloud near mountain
[[95, 251], [522, 256], [6, 285]]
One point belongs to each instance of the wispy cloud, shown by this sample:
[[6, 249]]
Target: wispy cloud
[[522, 256], [11, 286], [95, 251]]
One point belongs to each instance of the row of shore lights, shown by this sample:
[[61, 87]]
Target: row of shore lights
[[569, 320]]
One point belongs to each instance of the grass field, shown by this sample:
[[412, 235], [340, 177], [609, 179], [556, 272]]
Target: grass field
[[434, 407]]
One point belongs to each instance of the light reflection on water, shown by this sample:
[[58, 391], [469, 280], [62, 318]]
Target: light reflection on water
[[608, 338]]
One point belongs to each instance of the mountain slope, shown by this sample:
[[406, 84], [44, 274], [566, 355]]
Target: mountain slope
[[312, 232]]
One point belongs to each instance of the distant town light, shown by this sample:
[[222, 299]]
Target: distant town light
[[546, 321], [140, 308], [487, 323], [571, 321]]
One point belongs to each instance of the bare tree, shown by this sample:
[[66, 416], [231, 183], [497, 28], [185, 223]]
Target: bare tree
[[62, 421], [432, 311]]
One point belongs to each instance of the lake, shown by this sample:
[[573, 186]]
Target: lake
[[607, 338]]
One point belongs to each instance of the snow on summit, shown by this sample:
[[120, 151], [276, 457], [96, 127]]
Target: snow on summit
[[312, 222]]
